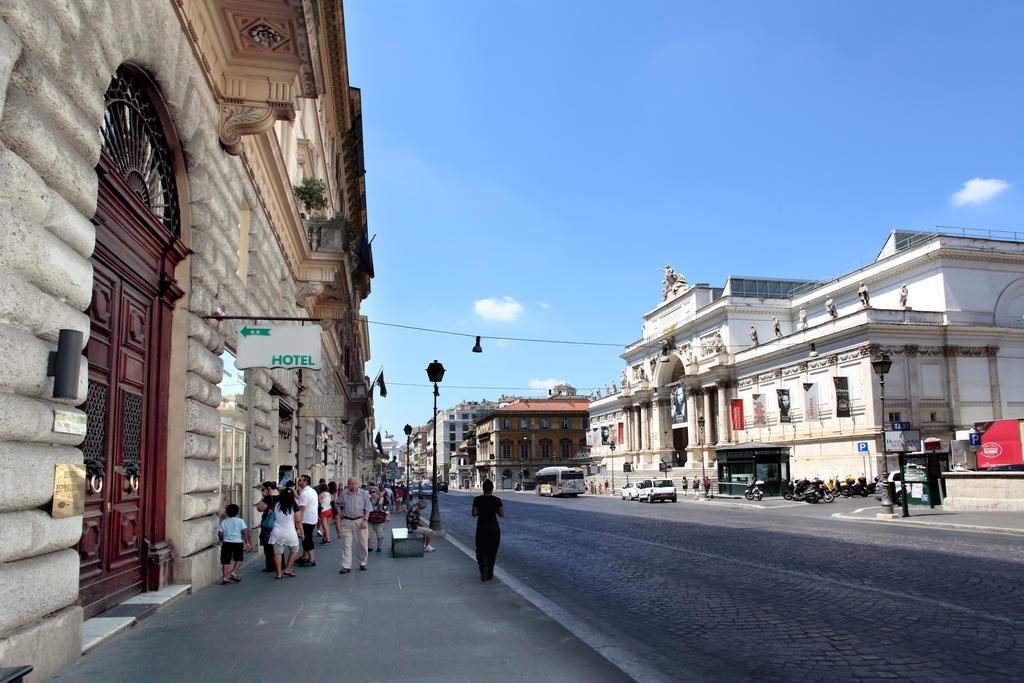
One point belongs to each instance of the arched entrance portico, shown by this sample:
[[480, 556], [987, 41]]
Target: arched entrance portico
[[138, 220]]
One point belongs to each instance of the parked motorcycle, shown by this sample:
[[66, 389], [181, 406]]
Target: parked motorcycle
[[802, 490], [823, 492], [754, 491]]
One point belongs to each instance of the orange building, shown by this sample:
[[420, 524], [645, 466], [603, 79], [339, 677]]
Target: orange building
[[516, 440]]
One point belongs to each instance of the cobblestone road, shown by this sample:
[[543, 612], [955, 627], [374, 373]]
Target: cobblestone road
[[726, 593]]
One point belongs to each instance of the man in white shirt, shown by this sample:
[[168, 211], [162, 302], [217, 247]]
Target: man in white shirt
[[355, 510], [309, 503]]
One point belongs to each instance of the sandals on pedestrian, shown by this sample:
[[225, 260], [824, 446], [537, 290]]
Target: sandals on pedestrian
[[289, 573], [223, 582], [235, 578]]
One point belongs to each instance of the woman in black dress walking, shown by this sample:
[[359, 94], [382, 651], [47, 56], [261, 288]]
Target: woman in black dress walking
[[487, 509]]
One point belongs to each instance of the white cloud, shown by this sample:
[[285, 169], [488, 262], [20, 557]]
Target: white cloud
[[544, 383], [979, 191], [543, 305], [498, 309]]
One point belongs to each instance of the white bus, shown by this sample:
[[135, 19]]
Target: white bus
[[559, 481]]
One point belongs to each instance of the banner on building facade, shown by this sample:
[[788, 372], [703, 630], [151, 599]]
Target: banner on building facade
[[810, 401], [622, 436], [760, 410], [736, 411], [784, 405], [678, 407], [842, 396], [605, 433]]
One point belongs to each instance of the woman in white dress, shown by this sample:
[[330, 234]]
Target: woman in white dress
[[287, 532]]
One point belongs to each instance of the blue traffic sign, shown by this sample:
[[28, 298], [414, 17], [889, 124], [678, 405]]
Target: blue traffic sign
[[862, 446], [974, 439]]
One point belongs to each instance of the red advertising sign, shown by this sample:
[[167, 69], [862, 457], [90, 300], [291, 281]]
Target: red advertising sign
[[736, 410], [621, 436], [1000, 443]]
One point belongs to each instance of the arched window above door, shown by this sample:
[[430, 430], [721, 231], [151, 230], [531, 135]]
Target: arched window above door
[[137, 146]]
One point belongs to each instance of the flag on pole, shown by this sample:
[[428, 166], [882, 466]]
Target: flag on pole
[[380, 382]]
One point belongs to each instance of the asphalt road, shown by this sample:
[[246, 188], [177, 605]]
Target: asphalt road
[[781, 591]]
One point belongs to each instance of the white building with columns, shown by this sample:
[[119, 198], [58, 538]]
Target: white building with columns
[[786, 364]]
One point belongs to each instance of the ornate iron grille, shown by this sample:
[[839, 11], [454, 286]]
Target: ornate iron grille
[[134, 141], [132, 430], [95, 436]]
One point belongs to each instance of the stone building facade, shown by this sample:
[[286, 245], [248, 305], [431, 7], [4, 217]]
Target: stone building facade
[[787, 363], [148, 151], [518, 439]]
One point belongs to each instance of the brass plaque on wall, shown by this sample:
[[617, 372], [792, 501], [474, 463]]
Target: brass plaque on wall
[[68, 491]]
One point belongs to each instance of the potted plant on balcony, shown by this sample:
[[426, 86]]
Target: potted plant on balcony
[[311, 195]]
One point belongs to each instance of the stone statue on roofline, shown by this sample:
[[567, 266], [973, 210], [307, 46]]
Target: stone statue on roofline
[[862, 293], [753, 335], [674, 283], [830, 306]]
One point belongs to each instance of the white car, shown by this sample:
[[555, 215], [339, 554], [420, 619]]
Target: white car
[[629, 491]]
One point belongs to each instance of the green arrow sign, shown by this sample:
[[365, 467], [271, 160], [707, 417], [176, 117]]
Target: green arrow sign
[[258, 331]]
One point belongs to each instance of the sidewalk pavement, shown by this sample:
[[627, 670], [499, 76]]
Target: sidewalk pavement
[[424, 619]]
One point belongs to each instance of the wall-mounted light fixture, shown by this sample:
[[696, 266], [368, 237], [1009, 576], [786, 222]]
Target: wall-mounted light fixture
[[65, 363]]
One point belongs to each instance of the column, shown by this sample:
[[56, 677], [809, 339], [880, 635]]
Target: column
[[645, 426], [692, 449], [993, 381], [724, 425], [709, 424], [913, 383], [953, 384]]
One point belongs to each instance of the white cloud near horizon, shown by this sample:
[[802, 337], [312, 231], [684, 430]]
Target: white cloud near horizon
[[543, 305], [979, 191], [498, 309], [544, 383]]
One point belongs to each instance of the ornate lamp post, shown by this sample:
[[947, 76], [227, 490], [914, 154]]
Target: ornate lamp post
[[703, 471], [408, 462], [435, 372], [881, 366]]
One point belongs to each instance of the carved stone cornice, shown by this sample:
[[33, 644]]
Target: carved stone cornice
[[255, 56], [911, 350], [238, 120], [744, 382], [991, 351]]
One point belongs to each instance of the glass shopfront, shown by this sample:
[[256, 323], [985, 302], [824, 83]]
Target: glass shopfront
[[740, 465]]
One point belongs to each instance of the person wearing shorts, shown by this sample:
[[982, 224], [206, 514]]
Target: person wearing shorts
[[415, 525], [233, 543], [309, 502]]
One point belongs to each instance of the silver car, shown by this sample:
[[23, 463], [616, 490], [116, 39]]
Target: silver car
[[629, 491]]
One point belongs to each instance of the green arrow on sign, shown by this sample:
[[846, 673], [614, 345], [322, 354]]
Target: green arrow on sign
[[258, 331]]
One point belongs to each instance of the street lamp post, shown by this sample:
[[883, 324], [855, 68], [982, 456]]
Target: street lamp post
[[881, 366], [408, 463], [703, 471], [435, 372]]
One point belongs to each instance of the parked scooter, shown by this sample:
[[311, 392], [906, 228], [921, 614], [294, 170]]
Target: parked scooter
[[824, 492], [754, 491], [802, 490]]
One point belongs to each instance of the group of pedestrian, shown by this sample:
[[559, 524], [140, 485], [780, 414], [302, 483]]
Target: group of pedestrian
[[290, 519], [698, 483]]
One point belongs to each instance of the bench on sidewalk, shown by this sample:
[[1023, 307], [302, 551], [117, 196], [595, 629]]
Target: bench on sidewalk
[[404, 544]]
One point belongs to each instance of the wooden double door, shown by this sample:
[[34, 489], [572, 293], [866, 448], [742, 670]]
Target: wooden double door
[[123, 549]]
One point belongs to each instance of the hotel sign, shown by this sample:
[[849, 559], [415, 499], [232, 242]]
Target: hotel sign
[[279, 346]]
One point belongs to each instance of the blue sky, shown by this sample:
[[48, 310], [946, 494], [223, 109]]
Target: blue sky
[[531, 165]]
